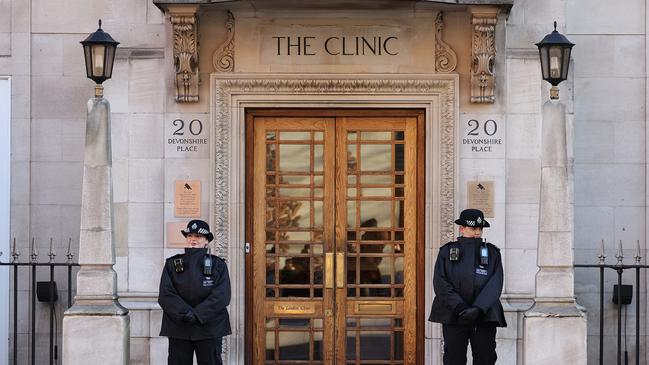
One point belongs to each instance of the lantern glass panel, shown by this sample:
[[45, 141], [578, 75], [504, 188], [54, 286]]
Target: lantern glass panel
[[110, 58], [566, 63], [98, 56], [543, 51], [88, 56], [555, 62]]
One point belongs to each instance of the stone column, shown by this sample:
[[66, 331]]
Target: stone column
[[96, 328], [554, 329]]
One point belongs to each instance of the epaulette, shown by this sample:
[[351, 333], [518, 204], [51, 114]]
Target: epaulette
[[174, 256]]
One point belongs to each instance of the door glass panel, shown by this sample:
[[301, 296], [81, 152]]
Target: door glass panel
[[294, 136], [376, 157], [381, 192], [399, 160], [292, 157], [351, 213], [318, 214], [293, 345], [318, 157], [295, 180], [377, 212], [293, 192], [376, 179], [352, 160], [270, 345], [376, 136], [270, 157], [375, 345]]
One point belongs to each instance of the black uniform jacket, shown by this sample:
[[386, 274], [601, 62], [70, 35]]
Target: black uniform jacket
[[464, 283], [206, 296]]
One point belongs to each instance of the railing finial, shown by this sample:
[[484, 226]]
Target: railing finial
[[69, 254], [14, 253], [34, 255], [52, 255], [602, 256], [620, 254], [638, 256]]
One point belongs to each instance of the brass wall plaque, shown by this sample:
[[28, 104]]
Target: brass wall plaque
[[480, 195], [294, 308], [187, 200]]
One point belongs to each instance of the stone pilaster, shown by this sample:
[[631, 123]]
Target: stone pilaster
[[96, 327], [554, 329]]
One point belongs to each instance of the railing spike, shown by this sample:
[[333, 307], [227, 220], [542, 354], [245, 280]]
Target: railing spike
[[14, 253], [52, 255], [620, 254], [34, 255], [638, 256], [602, 256], [69, 254]]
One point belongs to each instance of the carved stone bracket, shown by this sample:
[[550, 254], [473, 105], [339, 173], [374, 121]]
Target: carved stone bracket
[[185, 21], [483, 55], [223, 57], [445, 58]]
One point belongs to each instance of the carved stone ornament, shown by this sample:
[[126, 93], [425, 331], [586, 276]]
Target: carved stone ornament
[[223, 57], [185, 53], [483, 55], [445, 57]]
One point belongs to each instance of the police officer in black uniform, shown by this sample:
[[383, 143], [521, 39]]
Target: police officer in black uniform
[[194, 294], [468, 281]]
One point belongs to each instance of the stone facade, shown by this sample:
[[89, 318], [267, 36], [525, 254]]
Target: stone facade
[[605, 100]]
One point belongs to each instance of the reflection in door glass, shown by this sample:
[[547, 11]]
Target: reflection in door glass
[[293, 345], [376, 157], [292, 157]]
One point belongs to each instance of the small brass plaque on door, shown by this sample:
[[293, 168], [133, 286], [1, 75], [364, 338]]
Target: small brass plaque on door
[[375, 308], [294, 308]]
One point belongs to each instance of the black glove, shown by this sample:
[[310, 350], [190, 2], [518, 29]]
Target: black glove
[[190, 317], [470, 314]]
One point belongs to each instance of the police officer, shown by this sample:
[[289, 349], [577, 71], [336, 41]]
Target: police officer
[[194, 294], [468, 281]]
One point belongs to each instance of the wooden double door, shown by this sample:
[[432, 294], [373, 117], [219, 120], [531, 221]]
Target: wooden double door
[[334, 229]]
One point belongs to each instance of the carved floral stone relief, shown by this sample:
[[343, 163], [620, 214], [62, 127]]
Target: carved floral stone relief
[[185, 52], [483, 56], [223, 57], [445, 57]]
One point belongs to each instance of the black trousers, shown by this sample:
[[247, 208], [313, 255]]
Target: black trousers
[[181, 352], [483, 343]]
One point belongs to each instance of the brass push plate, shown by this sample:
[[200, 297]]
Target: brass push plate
[[375, 308]]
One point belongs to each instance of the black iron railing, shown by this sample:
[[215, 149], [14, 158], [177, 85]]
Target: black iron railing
[[47, 292], [619, 267]]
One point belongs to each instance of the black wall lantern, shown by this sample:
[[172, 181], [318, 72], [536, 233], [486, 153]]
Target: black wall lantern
[[554, 51], [99, 51]]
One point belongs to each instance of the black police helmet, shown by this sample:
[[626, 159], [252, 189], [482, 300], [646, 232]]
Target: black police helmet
[[472, 218], [199, 227]]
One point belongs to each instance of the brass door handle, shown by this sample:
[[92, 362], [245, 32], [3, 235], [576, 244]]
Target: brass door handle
[[329, 270], [340, 270]]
